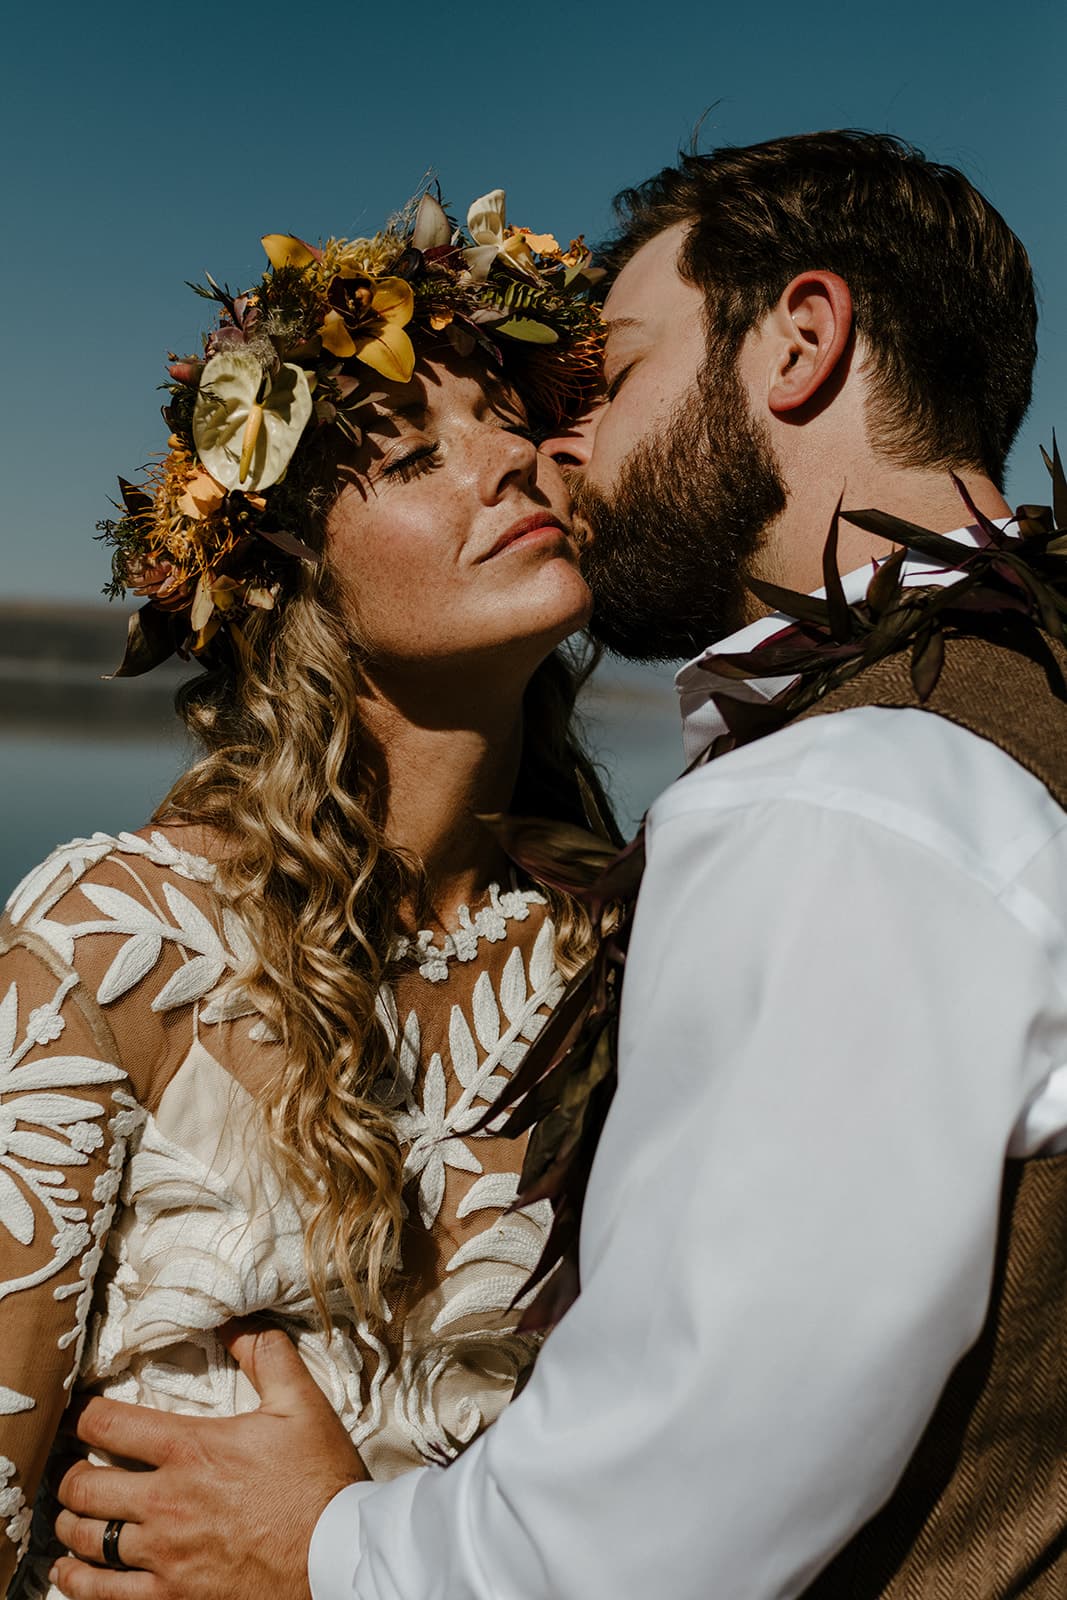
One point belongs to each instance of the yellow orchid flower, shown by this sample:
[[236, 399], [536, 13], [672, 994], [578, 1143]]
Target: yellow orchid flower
[[378, 311], [247, 423], [335, 336], [286, 250]]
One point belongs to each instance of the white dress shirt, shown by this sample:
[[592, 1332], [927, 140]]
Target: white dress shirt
[[845, 1004]]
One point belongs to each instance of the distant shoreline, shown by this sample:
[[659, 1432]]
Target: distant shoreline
[[55, 660]]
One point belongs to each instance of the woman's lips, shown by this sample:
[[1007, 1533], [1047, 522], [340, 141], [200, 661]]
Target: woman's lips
[[528, 531]]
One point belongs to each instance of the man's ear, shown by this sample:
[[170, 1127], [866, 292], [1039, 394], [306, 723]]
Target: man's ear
[[813, 324]]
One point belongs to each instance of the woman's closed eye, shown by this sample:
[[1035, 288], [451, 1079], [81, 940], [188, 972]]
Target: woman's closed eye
[[518, 423], [421, 458], [525, 430]]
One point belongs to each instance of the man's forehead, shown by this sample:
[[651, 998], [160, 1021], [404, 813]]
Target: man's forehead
[[648, 288]]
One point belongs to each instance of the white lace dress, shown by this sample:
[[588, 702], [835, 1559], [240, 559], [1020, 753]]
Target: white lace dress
[[138, 1211]]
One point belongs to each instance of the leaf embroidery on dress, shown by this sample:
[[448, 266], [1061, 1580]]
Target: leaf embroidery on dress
[[43, 1131], [46, 1129], [508, 1245], [482, 1297], [494, 1192], [208, 955], [73, 858], [126, 1121], [196, 1250], [437, 1132]]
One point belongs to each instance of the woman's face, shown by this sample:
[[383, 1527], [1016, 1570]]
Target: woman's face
[[451, 535]]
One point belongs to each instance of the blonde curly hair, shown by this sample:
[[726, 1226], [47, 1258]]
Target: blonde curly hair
[[289, 784]]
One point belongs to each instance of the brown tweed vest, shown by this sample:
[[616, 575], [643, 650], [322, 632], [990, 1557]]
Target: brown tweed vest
[[981, 1510]]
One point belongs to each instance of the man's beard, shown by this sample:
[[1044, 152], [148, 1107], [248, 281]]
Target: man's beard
[[671, 546]]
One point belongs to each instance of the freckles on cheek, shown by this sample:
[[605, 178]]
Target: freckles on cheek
[[403, 601], [383, 596]]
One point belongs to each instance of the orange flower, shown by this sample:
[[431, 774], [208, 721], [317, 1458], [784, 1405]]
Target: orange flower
[[201, 496], [543, 244]]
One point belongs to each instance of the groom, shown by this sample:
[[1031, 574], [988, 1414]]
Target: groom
[[820, 1345]]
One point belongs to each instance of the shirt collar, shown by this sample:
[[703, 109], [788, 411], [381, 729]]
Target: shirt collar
[[698, 682]]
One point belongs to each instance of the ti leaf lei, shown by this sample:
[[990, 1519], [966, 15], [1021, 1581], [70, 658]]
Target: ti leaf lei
[[563, 1090]]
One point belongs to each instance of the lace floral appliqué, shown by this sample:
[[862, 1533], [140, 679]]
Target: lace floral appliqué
[[490, 922]]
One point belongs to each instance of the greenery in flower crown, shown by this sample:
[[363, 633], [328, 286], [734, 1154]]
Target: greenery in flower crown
[[207, 537]]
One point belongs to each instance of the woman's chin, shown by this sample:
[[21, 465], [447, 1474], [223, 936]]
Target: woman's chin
[[559, 622], [566, 599], [505, 635], [532, 637]]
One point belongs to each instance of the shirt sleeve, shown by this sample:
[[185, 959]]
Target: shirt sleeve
[[788, 1235], [66, 1112]]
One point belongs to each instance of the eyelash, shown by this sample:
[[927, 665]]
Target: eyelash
[[424, 459], [523, 430], [428, 456], [617, 382]]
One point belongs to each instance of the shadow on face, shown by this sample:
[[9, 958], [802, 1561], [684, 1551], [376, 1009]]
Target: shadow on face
[[450, 535]]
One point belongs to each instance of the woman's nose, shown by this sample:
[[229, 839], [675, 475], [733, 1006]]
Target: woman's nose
[[515, 457]]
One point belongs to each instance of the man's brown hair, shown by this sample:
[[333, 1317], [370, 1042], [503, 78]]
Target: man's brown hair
[[942, 289]]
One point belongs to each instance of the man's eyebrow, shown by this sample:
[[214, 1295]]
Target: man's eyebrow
[[622, 324]]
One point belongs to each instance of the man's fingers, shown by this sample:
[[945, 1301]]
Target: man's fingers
[[135, 1432], [269, 1360], [84, 1536], [105, 1492], [80, 1581]]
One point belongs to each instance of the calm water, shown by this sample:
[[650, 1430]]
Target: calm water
[[55, 786]]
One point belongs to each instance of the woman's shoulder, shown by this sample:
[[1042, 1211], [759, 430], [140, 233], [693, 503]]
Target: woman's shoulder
[[151, 851], [137, 918]]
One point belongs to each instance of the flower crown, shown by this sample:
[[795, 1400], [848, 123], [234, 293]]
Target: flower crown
[[206, 538]]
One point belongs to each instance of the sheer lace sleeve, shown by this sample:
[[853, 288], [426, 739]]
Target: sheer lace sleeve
[[66, 1112], [85, 1048]]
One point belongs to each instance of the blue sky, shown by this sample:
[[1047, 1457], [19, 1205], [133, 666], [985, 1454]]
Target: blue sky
[[148, 142]]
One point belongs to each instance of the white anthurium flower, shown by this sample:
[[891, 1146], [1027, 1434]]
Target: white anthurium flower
[[246, 422]]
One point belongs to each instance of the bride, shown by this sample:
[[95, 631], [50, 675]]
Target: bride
[[244, 1052]]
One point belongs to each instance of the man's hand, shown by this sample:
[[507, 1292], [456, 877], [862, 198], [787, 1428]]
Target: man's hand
[[229, 1509]]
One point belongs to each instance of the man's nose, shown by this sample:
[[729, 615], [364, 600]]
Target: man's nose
[[573, 446]]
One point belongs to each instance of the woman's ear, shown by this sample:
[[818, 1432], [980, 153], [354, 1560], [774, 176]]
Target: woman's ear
[[813, 325]]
